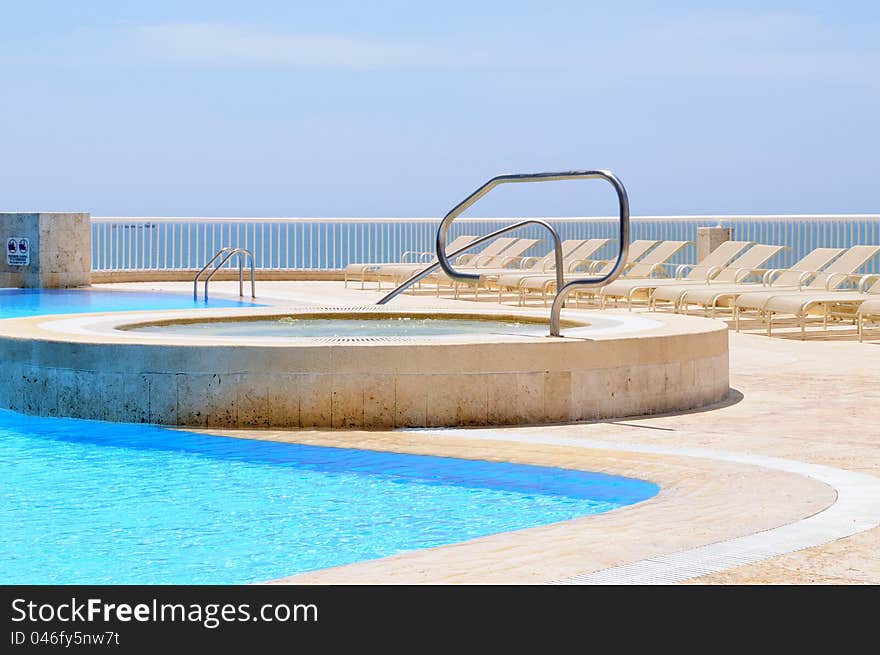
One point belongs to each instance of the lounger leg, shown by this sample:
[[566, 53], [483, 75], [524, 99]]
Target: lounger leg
[[769, 319]]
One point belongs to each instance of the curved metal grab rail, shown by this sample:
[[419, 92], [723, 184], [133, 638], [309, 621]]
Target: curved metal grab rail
[[562, 289], [557, 246], [229, 252], [205, 268]]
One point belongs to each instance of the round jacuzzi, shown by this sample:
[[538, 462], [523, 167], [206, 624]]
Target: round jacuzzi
[[365, 367], [366, 325]]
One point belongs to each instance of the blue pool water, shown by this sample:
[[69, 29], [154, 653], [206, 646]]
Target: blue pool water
[[93, 502], [15, 303]]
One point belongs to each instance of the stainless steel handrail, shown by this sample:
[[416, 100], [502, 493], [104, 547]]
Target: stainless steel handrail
[[557, 246], [205, 268], [562, 289], [229, 252]]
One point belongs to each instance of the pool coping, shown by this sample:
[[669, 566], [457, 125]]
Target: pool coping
[[854, 510], [694, 483]]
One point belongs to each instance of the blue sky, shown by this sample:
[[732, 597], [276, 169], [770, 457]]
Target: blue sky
[[273, 108]]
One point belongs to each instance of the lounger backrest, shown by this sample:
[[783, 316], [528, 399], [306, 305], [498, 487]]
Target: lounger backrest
[[636, 249], [664, 251], [457, 243], [548, 261], [494, 248], [515, 249], [754, 257], [847, 264], [586, 250], [718, 258], [813, 261]]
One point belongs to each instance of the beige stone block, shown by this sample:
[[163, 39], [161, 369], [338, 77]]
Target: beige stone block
[[253, 400], [34, 389], [530, 397], [557, 396], [283, 400], [192, 398], [315, 400], [163, 398], [75, 393], [347, 401], [473, 399], [686, 373], [704, 374], [135, 398], [456, 399], [379, 401], [499, 399], [411, 398], [12, 394], [221, 400], [112, 396]]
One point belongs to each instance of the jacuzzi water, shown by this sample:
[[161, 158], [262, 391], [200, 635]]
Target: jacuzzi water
[[93, 502], [401, 326], [15, 303]]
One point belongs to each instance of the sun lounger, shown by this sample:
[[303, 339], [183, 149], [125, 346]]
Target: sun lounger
[[713, 295], [712, 264], [824, 288], [577, 258], [868, 311], [529, 265], [637, 250], [650, 263], [399, 272], [511, 257], [746, 265], [359, 272]]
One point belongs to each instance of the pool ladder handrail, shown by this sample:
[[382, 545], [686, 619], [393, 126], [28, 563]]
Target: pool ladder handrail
[[227, 253], [563, 289]]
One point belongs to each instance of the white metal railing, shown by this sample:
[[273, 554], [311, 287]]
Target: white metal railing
[[138, 244]]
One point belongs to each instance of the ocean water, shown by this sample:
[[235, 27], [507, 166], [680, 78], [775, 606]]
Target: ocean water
[[332, 244], [90, 502]]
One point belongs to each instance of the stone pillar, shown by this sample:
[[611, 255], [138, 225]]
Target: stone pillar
[[45, 249], [709, 238]]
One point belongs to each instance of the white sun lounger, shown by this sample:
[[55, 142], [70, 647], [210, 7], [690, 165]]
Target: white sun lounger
[[712, 264], [823, 288], [712, 295], [747, 264], [360, 272]]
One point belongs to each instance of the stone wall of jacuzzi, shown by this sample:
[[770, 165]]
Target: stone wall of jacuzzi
[[681, 364]]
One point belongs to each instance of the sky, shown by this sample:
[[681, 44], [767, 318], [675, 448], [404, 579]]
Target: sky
[[398, 109]]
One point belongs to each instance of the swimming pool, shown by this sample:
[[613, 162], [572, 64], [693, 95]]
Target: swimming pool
[[93, 502], [15, 303]]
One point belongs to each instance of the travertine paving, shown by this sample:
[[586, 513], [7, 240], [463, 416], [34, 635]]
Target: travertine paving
[[815, 401]]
